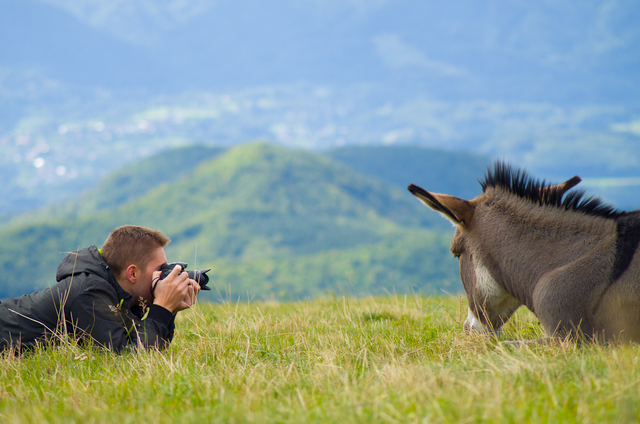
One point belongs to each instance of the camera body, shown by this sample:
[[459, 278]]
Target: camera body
[[200, 275]]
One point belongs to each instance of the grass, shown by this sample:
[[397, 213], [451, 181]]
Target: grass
[[383, 359]]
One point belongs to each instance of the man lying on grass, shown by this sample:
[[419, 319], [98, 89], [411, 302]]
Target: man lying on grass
[[104, 296]]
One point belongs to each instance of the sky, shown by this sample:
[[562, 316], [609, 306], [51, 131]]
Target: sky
[[548, 85]]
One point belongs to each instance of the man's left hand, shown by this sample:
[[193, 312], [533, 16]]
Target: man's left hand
[[192, 296]]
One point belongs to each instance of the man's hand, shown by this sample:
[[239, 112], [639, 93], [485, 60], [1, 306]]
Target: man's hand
[[175, 292], [192, 296]]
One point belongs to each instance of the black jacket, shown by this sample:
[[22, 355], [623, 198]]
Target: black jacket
[[88, 304]]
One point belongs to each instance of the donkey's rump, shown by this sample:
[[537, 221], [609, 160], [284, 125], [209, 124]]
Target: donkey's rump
[[619, 310]]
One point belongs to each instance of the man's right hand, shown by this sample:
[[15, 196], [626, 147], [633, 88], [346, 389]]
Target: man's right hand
[[170, 292]]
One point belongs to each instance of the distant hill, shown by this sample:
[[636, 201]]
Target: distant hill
[[266, 219], [119, 186], [441, 171], [133, 181]]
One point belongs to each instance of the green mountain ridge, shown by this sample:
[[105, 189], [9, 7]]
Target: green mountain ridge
[[128, 182], [265, 219]]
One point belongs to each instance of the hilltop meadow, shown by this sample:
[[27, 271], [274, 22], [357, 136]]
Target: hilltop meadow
[[334, 296], [330, 302], [336, 359]]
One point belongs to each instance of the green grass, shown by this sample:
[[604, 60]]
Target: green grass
[[383, 359]]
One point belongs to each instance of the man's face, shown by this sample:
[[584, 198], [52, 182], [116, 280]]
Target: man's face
[[158, 258]]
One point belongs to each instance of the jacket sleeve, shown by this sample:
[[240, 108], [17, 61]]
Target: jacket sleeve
[[96, 315]]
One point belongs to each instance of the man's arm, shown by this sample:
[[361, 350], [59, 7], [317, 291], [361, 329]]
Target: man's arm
[[96, 314]]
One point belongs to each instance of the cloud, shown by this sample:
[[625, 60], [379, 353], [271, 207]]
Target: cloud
[[398, 54], [139, 22]]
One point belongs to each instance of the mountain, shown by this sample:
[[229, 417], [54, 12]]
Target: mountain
[[265, 219], [131, 182], [442, 171], [535, 51]]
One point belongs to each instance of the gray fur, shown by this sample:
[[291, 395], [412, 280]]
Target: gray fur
[[574, 263]]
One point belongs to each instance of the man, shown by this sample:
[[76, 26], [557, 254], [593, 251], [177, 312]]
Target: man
[[104, 297]]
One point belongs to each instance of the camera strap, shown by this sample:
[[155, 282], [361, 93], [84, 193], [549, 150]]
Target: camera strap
[[154, 283]]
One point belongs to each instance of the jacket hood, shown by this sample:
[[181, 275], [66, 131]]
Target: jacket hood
[[84, 261], [88, 261]]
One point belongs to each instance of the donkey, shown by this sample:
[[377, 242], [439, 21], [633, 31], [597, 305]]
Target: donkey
[[571, 259]]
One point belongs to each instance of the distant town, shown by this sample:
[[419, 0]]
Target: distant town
[[49, 150]]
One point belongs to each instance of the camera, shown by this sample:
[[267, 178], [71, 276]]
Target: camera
[[200, 275]]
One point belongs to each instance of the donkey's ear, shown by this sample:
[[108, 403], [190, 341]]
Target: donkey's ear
[[569, 184], [454, 209], [557, 191]]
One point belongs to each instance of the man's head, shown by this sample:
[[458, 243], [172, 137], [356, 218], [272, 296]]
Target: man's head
[[131, 244], [133, 253]]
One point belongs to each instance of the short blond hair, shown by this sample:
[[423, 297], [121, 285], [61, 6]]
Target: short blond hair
[[131, 244]]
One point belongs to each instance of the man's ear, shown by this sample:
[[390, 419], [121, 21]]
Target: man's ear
[[456, 210], [132, 273]]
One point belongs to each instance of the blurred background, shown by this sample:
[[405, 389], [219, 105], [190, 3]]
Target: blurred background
[[292, 127]]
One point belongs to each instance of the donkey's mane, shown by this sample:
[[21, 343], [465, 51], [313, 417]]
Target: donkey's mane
[[518, 182]]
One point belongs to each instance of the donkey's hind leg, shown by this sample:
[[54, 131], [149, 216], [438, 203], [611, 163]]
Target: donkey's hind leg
[[564, 299]]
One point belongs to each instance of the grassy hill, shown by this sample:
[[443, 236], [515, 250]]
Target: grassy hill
[[129, 182], [269, 221]]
